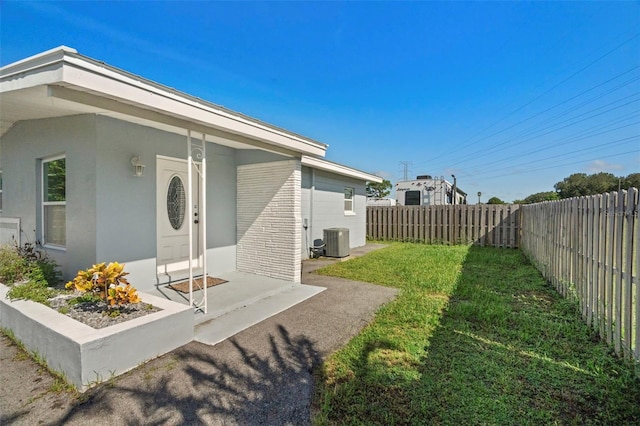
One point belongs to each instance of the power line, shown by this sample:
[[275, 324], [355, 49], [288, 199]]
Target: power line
[[574, 108], [585, 134], [607, 145], [491, 150], [471, 140], [560, 165]]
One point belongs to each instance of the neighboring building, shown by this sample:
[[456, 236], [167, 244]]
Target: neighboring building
[[102, 165], [428, 191], [381, 202]]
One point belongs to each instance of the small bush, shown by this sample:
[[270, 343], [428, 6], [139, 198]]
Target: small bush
[[38, 291], [107, 282], [13, 267], [18, 263], [84, 298], [45, 270]]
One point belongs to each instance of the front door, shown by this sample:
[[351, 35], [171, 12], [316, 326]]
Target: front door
[[172, 216]]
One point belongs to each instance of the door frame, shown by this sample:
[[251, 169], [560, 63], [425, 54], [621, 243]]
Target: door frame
[[197, 243], [199, 150]]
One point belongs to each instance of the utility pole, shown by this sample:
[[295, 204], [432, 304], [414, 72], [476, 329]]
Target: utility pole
[[455, 190], [405, 165]]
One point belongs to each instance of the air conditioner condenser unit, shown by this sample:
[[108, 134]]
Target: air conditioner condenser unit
[[337, 242]]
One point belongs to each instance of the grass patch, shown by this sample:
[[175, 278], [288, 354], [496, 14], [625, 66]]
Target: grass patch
[[476, 336], [60, 382]]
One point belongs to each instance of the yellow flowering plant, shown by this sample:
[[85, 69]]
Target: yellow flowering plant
[[108, 282]]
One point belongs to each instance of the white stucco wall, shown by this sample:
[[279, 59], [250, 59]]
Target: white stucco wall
[[111, 215], [269, 219], [323, 207], [23, 148], [127, 204]]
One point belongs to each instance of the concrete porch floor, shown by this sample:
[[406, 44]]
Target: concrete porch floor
[[236, 305]]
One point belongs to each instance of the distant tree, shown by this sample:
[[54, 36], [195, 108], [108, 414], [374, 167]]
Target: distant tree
[[579, 184], [539, 197], [631, 181], [572, 186], [378, 190], [600, 183], [495, 200]]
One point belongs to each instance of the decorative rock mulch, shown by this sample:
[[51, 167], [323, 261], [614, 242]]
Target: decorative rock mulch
[[96, 315]]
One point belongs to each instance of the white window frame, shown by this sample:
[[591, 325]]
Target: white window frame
[[349, 210], [44, 203]]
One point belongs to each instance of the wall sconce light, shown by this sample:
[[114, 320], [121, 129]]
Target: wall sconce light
[[138, 167]]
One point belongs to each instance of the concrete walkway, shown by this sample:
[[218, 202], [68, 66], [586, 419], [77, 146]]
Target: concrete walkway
[[243, 301], [262, 375], [231, 323]]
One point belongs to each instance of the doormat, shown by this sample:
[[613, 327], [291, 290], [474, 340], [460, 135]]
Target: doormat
[[183, 286]]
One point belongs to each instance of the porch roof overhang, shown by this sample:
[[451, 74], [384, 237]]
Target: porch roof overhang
[[322, 164], [62, 82]]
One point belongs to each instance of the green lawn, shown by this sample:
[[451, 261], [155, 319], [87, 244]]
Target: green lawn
[[476, 336]]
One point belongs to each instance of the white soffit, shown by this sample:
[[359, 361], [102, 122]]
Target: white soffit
[[67, 72], [321, 164]]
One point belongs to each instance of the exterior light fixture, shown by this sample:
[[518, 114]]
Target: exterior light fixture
[[138, 167]]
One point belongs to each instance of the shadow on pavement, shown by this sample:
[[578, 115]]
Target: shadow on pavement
[[224, 384]]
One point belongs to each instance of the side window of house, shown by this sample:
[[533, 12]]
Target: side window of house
[[412, 198], [54, 202], [0, 191], [348, 200]]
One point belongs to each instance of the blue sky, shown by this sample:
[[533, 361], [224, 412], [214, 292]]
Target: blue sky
[[511, 97]]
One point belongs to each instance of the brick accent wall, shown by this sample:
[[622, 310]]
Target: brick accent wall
[[269, 219]]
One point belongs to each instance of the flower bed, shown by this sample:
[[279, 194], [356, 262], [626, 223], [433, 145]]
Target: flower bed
[[87, 356], [96, 314]]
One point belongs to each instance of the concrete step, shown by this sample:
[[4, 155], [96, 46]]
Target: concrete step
[[221, 328]]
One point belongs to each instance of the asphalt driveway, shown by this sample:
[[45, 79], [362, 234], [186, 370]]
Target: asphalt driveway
[[262, 375]]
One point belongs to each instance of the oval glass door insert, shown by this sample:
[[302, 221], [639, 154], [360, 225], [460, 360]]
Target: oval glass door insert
[[176, 202]]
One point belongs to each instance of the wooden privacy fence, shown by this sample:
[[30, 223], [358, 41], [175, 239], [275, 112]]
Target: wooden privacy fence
[[482, 224], [587, 248]]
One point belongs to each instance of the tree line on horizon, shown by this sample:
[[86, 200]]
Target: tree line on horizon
[[576, 185], [581, 184]]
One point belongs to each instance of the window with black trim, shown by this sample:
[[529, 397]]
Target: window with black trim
[[412, 198], [54, 202]]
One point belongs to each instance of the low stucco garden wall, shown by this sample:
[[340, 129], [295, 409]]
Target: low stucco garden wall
[[87, 356]]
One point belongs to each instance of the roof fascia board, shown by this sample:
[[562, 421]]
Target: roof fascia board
[[90, 76], [64, 66], [47, 74], [36, 61], [150, 85], [89, 99], [321, 164]]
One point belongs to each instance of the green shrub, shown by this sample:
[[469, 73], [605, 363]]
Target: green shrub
[[46, 269], [29, 264], [41, 265], [13, 267], [38, 291], [85, 298], [18, 263]]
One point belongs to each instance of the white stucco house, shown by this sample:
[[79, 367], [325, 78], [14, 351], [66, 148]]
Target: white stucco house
[[99, 164]]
